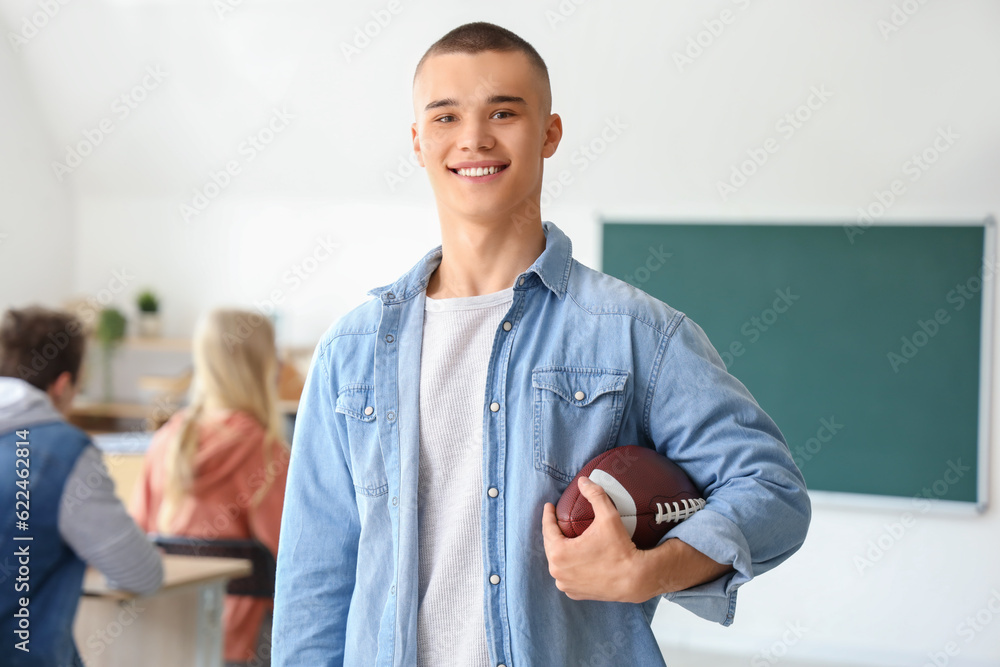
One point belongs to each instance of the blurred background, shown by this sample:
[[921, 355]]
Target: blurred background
[[257, 153]]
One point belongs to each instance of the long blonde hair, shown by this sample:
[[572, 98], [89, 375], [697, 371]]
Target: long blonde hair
[[235, 366]]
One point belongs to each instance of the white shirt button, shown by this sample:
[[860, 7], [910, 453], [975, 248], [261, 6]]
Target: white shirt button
[[493, 492], [579, 395], [494, 406], [506, 326], [369, 410], [494, 579], [520, 281]]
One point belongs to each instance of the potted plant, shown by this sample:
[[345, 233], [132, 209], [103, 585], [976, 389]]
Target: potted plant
[[110, 332], [149, 314]]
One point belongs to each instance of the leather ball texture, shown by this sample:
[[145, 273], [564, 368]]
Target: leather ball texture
[[651, 492]]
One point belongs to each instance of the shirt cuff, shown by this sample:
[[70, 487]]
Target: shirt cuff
[[721, 540]]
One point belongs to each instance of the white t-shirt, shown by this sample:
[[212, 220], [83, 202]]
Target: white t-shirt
[[458, 338]]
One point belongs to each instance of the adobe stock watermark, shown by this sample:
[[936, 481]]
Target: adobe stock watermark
[[299, 272], [786, 126], [223, 7], [773, 654], [34, 23], [926, 330], [563, 11], [894, 532], [364, 35], [86, 314], [582, 158], [655, 260], [262, 654], [702, 41], [913, 168], [248, 151], [101, 639], [605, 653], [121, 108], [968, 630], [899, 16], [753, 328], [805, 452]]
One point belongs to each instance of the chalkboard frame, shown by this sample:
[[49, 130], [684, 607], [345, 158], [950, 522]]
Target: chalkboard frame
[[868, 501]]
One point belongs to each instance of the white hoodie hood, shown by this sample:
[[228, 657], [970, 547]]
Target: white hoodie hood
[[22, 404]]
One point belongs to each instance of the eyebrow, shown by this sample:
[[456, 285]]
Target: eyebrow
[[494, 99]]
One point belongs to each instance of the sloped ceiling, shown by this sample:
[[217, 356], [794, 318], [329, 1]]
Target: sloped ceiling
[[219, 77]]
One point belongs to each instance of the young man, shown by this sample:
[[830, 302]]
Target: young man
[[441, 419], [69, 514]]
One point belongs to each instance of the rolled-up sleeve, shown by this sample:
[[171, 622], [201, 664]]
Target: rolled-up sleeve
[[703, 419]]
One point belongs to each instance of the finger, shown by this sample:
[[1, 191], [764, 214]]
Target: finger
[[551, 532], [604, 508]]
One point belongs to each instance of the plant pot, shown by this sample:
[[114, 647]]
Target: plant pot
[[150, 325]]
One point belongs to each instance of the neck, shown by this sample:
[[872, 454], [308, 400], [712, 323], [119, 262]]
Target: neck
[[482, 258]]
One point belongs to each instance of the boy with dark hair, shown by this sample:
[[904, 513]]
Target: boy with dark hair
[[442, 419], [70, 516]]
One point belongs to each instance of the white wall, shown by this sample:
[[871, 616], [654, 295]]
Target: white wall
[[36, 222], [684, 130]]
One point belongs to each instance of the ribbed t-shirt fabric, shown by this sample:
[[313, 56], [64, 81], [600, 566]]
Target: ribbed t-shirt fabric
[[457, 341]]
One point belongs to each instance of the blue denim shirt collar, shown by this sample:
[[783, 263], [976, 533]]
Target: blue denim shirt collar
[[552, 268]]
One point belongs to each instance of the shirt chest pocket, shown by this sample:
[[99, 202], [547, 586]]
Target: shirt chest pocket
[[357, 404], [576, 416]]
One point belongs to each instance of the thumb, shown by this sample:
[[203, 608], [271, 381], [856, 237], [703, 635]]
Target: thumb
[[598, 497]]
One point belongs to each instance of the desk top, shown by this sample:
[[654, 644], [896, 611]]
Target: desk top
[[177, 571]]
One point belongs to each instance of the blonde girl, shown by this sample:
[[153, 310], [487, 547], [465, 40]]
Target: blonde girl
[[217, 469]]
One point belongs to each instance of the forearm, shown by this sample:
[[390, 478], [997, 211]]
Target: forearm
[[674, 566], [94, 523]]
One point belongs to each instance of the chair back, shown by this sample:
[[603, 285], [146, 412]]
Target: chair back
[[260, 582]]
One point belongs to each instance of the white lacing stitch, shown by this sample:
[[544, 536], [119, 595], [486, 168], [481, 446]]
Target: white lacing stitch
[[678, 513]]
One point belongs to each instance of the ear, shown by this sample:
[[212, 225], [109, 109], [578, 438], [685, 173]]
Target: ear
[[61, 384], [553, 135], [416, 144], [61, 392]]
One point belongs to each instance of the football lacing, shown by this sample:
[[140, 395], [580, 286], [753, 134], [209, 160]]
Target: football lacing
[[678, 512]]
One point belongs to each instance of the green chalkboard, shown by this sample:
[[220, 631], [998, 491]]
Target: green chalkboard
[[863, 347]]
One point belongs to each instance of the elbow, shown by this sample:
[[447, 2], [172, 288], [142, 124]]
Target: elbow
[[804, 503], [796, 521], [149, 580], [804, 519], [156, 581], [788, 518]]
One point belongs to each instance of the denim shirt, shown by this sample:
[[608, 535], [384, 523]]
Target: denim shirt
[[348, 584]]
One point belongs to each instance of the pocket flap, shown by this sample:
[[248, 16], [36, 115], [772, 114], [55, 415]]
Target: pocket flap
[[579, 386], [357, 401]]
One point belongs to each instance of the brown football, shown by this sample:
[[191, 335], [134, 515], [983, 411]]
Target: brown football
[[652, 494]]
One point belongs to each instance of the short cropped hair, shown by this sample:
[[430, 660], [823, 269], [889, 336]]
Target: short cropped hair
[[473, 38], [38, 345]]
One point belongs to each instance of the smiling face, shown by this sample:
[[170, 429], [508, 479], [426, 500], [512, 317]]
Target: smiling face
[[482, 132]]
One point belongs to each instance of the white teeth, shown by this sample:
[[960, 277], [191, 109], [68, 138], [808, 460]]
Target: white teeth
[[479, 171]]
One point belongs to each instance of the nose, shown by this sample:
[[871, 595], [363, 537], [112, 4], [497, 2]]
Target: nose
[[475, 135]]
